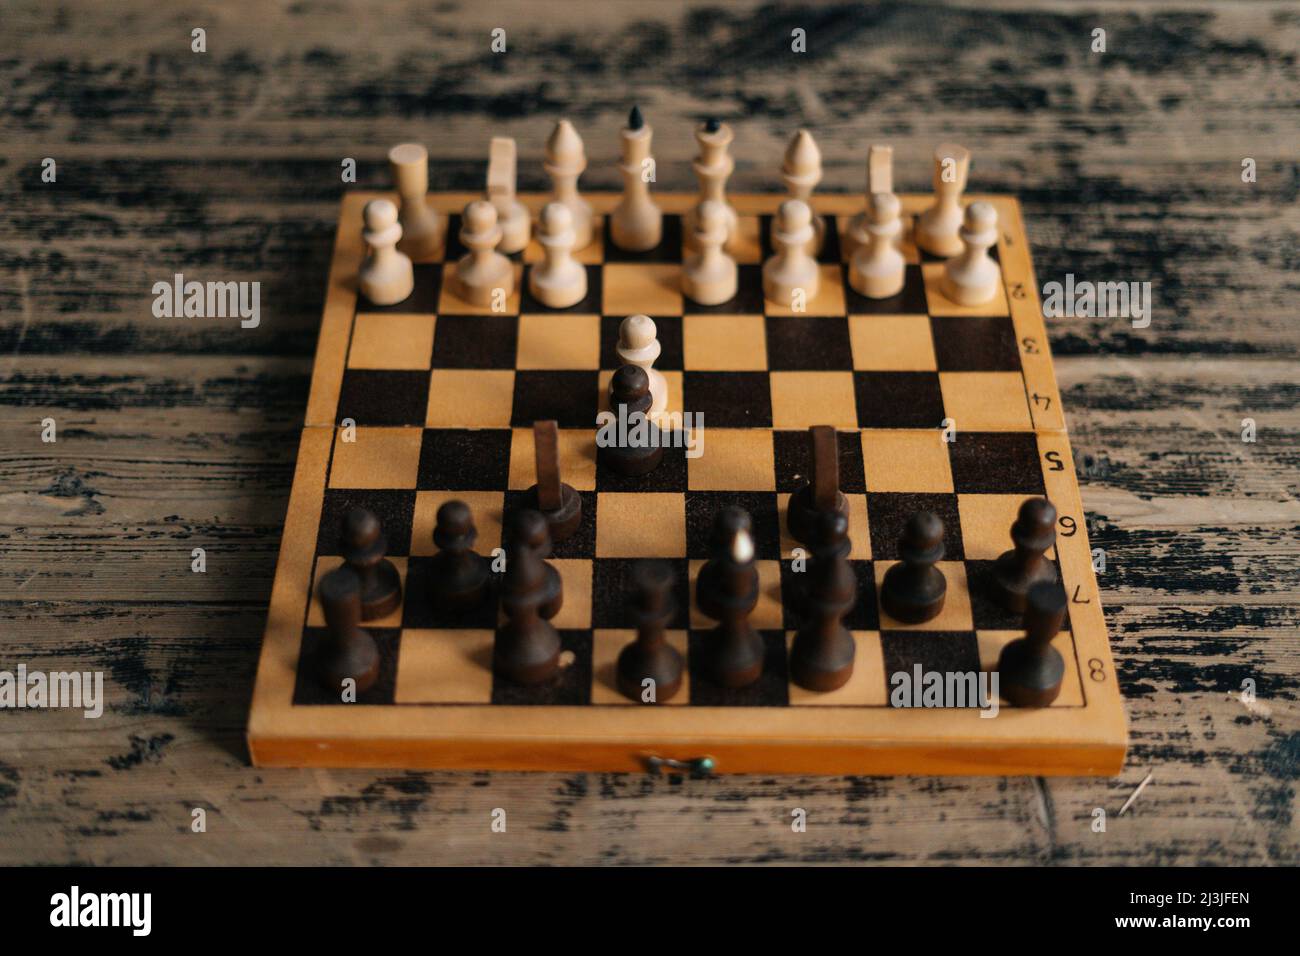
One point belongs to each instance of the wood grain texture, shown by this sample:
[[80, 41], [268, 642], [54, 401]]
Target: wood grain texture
[[177, 434]]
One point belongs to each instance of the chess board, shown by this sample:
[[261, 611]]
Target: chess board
[[433, 399]]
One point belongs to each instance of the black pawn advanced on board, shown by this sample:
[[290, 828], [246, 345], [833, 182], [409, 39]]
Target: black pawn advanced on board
[[348, 652], [821, 655], [913, 590], [1016, 571], [364, 547], [1030, 669], [530, 529], [727, 591], [650, 656], [629, 400], [460, 574], [527, 647]]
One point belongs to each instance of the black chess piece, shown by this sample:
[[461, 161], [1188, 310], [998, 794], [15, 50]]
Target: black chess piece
[[529, 528], [558, 502], [349, 651], [364, 547], [821, 493], [527, 648], [727, 591], [630, 401], [650, 655], [1016, 571], [1030, 669], [460, 574], [821, 655], [913, 590]]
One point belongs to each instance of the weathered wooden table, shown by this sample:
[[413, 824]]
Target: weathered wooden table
[[176, 434]]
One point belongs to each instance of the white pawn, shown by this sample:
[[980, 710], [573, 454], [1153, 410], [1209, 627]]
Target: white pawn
[[709, 276], [971, 277], [559, 281], [386, 277], [566, 158], [791, 269], [482, 270], [638, 344], [877, 269]]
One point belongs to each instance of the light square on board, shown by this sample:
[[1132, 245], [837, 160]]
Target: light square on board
[[859, 529], [647, 525], [381, 340], [724, 343], [577, 458], [906, 460], [559, 341], [445, 667], [865, 688], [939, 304], [607, 645], [990, 648], [470, 398], [450, 301], [767, 615], [829, 299], [486, 506], [804, 399], [986, 522], [592, 254], [575, 578], [733, 459], [642, 288], [327, 563], [986, 401], [892, 343], [956, 614], [378, 458]]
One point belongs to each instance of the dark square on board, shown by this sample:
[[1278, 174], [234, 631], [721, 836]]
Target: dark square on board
[[808, 343], [612, 592], [898, 399], [571, 687], [888, 513], [395, 510], [464, 459], [996, 463], [863, 616], [419, 611], [569, 397], [580, 544], [475, 341], [772, 688], [794, 461], [702, 507], [383, 397], [947, 652], [668, 250], [728, 399], [975, 343], [307, 686]]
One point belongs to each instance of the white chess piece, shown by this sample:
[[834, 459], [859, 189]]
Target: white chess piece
[[423, 229], [559, 281], [638, 344], [386, 277], [972, 277], [713, 167], [516, 224], [877, 269], [636, 224], [565, 160], [801, 172], [937, 227], [790, 267], [880, 179], [482, 271], [709, 277]]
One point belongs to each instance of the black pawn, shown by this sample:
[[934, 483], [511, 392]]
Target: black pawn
[[914, 589], [527, 648], [727, 591], [348, 652], [629, 400], [650, 655], [821, 655], [1030, 669], [460, 575], [530, 529], [364, 547], [1016, 571]]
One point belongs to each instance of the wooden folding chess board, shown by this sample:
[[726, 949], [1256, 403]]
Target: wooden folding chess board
[[443, 396]]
